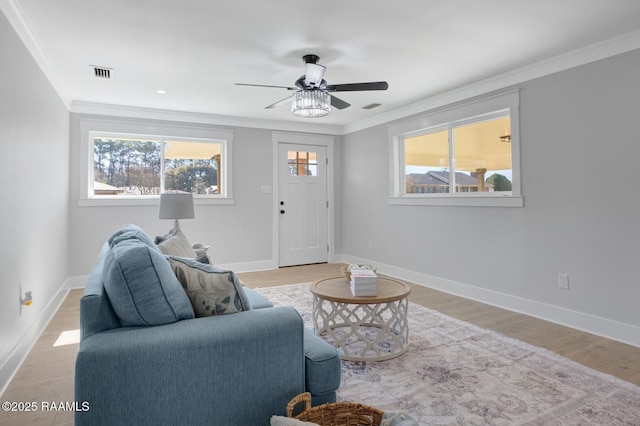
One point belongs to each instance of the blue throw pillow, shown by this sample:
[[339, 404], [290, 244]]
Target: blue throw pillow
[[141, 286]]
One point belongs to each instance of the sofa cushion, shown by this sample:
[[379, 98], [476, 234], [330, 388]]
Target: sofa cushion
[[141, 286], [96, 312], [256, 300], [322, 367], [128, 232], [212, 290]]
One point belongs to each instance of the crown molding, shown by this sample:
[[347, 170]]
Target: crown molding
[[587, 54], [15, 16], [591, 53], [93, 108]]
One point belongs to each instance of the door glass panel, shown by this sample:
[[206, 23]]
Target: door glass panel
[[302, 163]]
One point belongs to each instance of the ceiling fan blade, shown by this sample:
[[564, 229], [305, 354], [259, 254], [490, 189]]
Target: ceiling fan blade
[[339, 103], [279, 103], [266, 85], [356, 87]]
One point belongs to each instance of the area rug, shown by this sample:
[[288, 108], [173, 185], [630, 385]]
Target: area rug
[[456, 373]]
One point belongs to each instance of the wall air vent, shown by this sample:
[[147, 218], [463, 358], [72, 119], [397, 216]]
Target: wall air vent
[[101, 72], [371, 106]]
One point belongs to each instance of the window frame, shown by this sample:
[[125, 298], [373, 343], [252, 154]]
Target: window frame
[[443, 119], [89, 129]]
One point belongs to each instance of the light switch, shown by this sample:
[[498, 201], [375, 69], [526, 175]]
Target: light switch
[[265, 189]]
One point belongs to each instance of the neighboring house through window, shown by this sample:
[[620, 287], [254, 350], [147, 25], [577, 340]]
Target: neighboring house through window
[[462, 155]]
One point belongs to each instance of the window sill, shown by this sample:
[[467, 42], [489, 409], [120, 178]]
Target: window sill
[[147, 201], [459, 201]]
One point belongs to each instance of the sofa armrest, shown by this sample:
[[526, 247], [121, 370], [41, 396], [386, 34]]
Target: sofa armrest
[[237, 369], [256, 300]]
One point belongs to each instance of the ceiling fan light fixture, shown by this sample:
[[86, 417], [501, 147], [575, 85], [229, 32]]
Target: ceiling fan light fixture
[[314, 75], [311, 103], [311, 98]]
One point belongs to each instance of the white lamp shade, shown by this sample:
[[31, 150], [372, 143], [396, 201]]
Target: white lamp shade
[[176, 205]]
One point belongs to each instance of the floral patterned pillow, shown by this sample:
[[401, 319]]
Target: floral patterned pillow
[[211, 290]]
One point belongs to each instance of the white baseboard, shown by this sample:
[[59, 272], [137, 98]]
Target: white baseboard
[[21, 350], [604, 327], [76, 282], [263, 265]]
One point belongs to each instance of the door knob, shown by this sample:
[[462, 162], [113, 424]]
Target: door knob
[[282, 203], [281, 211]]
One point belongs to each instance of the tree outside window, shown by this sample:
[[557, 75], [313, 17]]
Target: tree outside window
[[133, 166]]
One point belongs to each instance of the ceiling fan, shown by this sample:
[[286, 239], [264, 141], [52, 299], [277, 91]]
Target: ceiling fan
[[312, 93]]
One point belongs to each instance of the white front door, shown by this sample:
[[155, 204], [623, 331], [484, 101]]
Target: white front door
[[302, 205]]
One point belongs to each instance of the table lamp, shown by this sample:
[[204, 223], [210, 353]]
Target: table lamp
[[176, 205]]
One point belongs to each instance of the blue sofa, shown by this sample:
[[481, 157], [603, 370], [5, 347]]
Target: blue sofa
[[235, 369]]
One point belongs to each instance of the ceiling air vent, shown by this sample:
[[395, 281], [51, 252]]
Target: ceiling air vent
[[371, 106], [101, 72]]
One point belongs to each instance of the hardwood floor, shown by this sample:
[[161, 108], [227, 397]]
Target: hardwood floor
[[608, 356], [47, 373]]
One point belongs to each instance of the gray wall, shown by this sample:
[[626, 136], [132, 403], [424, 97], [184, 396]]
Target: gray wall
[[578, 146], [34, 171], [580, 151], [238, 233]]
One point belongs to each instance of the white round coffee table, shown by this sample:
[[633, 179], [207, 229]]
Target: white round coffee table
[[366, 328]]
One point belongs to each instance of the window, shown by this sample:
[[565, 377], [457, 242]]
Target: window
[[193, 167], [134, 165], [473, 157], [129, 162], [466, 155]]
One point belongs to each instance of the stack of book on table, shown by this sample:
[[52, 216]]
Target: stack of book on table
[[364, 282]]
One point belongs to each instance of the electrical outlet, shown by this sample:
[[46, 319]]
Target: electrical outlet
[[563, 281], [370, 245]]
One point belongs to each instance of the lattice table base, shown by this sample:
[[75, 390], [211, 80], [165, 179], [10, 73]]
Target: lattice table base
[[373, 332]]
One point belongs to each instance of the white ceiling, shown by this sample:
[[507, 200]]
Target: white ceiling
[[196, 50]]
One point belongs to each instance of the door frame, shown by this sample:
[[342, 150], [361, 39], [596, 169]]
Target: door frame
[[326, 141]]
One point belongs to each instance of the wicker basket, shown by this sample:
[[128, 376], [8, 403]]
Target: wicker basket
[[347, 273], [335, 413]]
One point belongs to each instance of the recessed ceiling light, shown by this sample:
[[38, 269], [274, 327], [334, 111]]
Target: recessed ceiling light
[[161, 92]]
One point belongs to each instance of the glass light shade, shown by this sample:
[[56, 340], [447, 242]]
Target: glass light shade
[[314, 75], [311, 103]]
